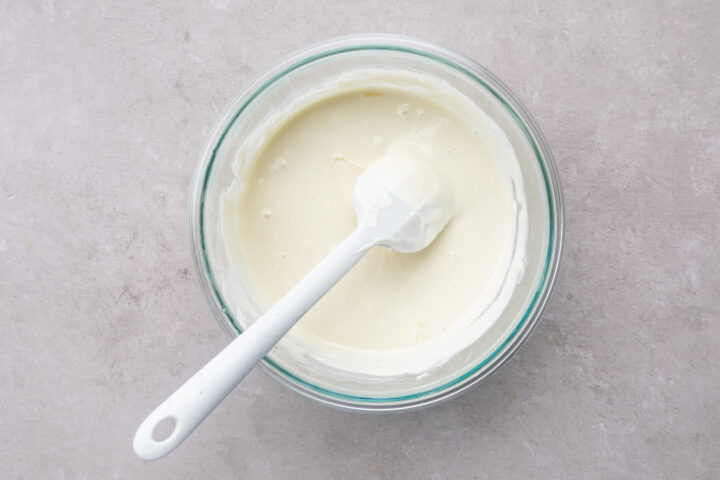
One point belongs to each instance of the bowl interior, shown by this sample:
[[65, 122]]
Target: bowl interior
[[232, 300]]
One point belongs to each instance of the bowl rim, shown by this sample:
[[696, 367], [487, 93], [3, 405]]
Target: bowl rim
[[476, 72]]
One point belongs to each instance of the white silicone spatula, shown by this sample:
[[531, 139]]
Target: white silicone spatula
[[399, 203]]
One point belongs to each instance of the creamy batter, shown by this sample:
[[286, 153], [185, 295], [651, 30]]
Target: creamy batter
[[393, 313]]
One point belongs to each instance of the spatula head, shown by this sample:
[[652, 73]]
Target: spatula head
[[401, 199]]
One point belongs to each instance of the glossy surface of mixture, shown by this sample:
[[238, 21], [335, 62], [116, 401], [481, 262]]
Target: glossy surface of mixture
[[292, 201]]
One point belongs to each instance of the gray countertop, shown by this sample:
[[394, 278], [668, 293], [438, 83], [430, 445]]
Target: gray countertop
[[104, 110]]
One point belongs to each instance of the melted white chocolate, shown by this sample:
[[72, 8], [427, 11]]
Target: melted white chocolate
[[394, 313]]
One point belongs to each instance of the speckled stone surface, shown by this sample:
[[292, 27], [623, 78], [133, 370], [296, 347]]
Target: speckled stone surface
[[104, 110]]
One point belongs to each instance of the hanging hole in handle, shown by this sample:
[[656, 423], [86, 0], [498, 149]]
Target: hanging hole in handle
[[164, 429]]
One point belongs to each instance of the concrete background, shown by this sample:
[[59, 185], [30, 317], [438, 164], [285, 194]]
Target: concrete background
[[104, 110]]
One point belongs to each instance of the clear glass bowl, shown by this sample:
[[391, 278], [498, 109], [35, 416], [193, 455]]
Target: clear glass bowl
[[228, 297]]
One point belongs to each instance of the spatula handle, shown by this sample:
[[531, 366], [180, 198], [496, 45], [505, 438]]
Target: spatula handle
[[196, 398]]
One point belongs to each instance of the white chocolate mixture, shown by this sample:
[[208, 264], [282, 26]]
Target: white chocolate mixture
[[393, 313]]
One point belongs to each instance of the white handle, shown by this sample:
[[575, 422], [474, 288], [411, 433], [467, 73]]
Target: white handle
[[199, 396]]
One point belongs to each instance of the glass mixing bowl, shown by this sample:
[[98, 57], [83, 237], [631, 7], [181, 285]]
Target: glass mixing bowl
[[229, 298]]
